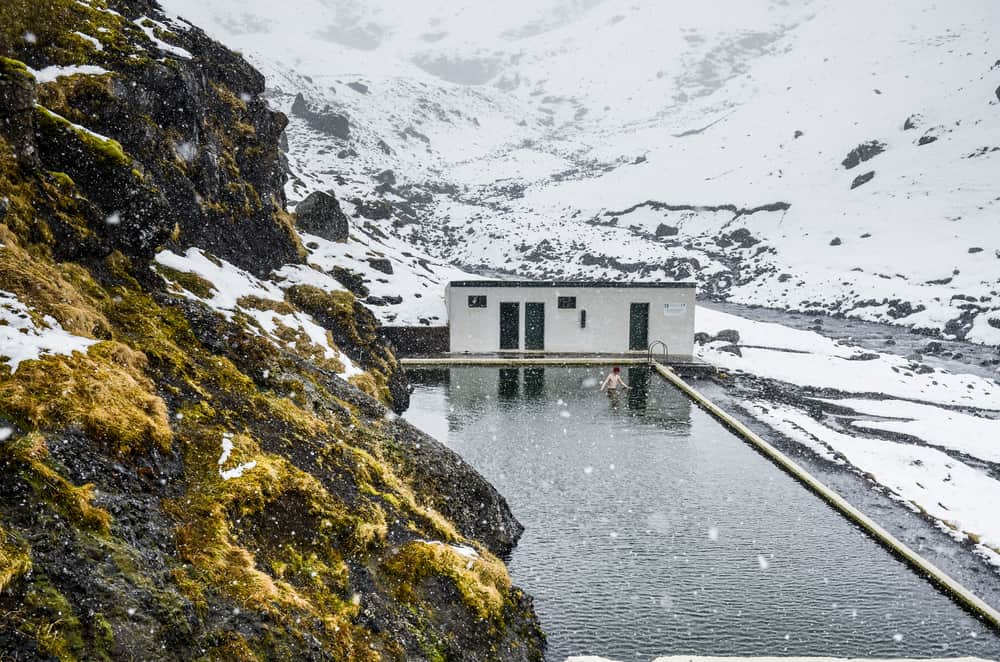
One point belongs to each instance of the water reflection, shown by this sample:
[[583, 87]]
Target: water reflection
[[534, 382], [644, 536], [510, 383]]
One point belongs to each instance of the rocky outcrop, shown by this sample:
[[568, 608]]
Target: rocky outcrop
[[862, 153], [862, 179], [186, 486], [320, 214], [325, 121]]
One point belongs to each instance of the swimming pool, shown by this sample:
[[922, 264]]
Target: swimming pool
[[651, 530]]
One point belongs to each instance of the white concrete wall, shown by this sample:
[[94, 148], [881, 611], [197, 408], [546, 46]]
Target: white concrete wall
[[477, 330]]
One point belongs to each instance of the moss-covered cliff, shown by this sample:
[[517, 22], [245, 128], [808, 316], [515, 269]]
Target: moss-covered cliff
[[183, 476]]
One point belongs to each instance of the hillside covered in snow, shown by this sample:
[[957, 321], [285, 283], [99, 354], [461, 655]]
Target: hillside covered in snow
[[815, 155]]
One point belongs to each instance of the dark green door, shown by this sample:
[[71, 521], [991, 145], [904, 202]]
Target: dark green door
[[638, 326], [510, 325], [534, 326]]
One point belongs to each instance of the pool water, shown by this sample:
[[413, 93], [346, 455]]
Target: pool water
[[651, 530]]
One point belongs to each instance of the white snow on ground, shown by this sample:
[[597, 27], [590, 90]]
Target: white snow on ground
[[806, 358], [227, 450], [21, 339], [960, 497], [974, 435], [55, 72], [418, 279], [964, 500], [462, 550], [150, 27], [232, 288]]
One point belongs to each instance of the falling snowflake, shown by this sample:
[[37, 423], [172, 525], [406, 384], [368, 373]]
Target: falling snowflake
[[762, 562]]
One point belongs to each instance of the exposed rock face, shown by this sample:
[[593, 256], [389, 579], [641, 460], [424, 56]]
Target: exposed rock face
[[327, 121], [320, 214], [222, 145], [185, 486]]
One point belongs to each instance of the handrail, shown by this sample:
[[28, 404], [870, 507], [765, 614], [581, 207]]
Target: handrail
[[666, 351]]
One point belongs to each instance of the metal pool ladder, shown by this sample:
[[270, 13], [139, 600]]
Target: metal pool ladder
[[652, 346]]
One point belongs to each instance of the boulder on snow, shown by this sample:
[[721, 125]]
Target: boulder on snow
[[664, 230], [836, 241], [700, 338], [861, 180], [381, 264], [328, 122], [320, 214], [730, 349], [728, 335]]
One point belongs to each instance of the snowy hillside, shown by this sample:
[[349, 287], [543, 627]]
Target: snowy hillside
[[815, 155]]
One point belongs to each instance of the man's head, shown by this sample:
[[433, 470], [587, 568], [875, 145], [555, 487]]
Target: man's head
[[616, 370]]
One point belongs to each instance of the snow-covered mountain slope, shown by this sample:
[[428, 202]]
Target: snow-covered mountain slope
[[819, 155]]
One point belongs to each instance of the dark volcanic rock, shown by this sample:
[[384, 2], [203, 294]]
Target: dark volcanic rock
[[926, 139], [912, 122], [664, 230], [375, 210], [863, 179], [731, 336], [320, 214], [352, 280], [382, 264], [730, 349], [862, 153], [126, 530], [358, 87], [836, 241], [328, 122]]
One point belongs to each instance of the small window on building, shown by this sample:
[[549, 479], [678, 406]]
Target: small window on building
[[567, 302], [583, 319], [477, 301]]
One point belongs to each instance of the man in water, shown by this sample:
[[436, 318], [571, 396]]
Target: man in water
[[613, 381]]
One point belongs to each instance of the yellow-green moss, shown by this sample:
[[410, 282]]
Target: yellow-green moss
[[15, 558], [483, 582], [105, 392], [31, 457], [107, 150], [53, 23], [193, 283], [53, 622], [11, 68], [257, 303], [64, 291]]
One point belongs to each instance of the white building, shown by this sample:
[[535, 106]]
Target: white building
[[598, 317]]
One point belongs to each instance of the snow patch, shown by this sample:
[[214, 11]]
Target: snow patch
[[227, 450], [23, 340], [55, 72]]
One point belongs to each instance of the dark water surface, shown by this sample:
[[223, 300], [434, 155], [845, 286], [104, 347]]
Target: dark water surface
[[651, 530]]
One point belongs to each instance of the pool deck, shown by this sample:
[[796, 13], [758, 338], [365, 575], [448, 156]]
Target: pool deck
[[686, 366]]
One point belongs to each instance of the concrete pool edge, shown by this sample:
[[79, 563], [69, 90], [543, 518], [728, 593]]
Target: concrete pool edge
[[966, 598], [957, 591]]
